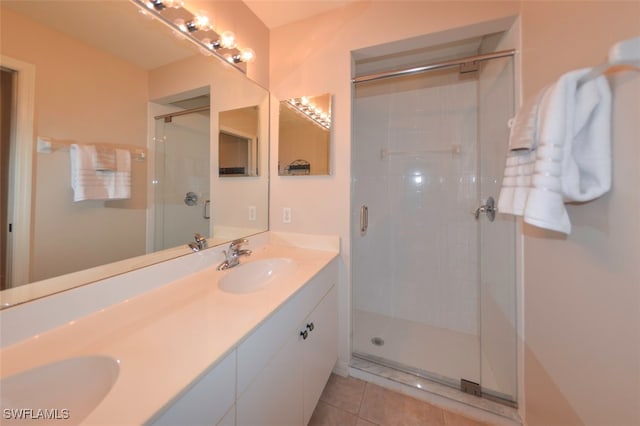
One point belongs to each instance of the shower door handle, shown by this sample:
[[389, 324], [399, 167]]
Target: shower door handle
[[364, 220], [206, 213], [488, 208]]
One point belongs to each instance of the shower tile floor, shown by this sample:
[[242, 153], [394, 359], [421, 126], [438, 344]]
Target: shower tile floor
[[354, 402]]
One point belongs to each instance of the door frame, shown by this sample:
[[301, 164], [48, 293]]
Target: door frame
[[21, 171]]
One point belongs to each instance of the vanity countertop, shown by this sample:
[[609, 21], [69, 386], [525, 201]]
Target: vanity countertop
[[166, 338]]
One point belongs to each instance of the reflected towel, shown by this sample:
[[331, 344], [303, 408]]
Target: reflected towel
[[90, 184], [104, 159]]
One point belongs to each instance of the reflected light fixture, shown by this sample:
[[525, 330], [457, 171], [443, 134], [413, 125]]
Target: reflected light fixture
[[198, 29], [311, 111]]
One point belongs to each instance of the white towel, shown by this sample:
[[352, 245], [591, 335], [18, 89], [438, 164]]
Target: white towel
[[570, 158], [105, 159], [91, 184], [523, 133]]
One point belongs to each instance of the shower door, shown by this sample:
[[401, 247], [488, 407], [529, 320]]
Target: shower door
[[433, 277], [181, 179]]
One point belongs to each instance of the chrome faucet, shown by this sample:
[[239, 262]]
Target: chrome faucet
[[233, 254], [200, 244]]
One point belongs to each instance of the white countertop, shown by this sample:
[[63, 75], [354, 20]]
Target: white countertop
[[166, 338]]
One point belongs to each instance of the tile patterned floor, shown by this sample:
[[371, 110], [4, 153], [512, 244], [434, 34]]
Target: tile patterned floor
[[353, 402]]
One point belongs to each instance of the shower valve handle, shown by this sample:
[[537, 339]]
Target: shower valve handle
[[489, 208]]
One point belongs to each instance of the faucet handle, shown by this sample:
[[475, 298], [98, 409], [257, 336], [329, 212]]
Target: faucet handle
[[235, 244], [201, 241]]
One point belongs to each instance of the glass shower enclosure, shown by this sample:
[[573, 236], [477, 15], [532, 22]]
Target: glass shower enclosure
[[433, 268], [181, 181]]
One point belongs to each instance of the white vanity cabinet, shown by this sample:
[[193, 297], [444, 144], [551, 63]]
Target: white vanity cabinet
[[281, 373], [208, 402]]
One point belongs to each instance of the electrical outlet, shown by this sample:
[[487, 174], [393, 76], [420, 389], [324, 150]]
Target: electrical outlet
[[286, 215], [252, 213]]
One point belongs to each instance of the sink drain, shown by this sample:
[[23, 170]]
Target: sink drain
[[378, 341]]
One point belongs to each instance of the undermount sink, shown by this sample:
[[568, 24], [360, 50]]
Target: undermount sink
[[256, 275], [65, 392]]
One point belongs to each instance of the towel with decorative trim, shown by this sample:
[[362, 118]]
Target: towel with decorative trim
[[91, 184], [570, 156]]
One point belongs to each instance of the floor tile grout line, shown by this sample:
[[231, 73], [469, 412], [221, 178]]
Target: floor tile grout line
[[362, 396]]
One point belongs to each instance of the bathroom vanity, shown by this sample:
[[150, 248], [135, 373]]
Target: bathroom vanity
[[189, 352]]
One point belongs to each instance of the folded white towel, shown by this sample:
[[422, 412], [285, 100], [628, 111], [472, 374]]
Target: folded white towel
[[91, 184], [570, 154], [105, 159], [523, 133]]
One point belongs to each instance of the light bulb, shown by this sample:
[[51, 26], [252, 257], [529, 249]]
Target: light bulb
[[304, 100], [202, 22], [155, 4], [247, 55], [228, 40]]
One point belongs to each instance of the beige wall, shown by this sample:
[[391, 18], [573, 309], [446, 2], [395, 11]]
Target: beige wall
[[582, 304], [582, 293]]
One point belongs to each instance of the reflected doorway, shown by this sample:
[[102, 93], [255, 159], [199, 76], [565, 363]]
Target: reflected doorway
[[6, 125]]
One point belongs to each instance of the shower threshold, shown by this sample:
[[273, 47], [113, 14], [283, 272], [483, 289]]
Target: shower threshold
[[364, 366]]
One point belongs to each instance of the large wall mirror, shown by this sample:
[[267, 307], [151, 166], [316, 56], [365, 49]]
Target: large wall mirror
[[304, 138], [109, 78]]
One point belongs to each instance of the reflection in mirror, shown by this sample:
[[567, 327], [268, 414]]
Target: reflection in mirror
[[181, 184], [103, 89], [304, 140], [238, 142]]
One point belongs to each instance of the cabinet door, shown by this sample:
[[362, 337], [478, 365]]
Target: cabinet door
[[256, 352], [320, 350], [274, 398]]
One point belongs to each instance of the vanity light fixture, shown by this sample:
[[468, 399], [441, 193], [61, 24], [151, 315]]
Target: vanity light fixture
[[198, 29], [311, 111]]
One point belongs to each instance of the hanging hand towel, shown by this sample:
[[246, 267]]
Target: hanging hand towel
[[523, 133], [572, 154], [121, 188], [91, 184], [521, 158], [105, 159]]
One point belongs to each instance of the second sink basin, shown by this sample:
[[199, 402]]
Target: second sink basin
[[69, 390], [253, 276]]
